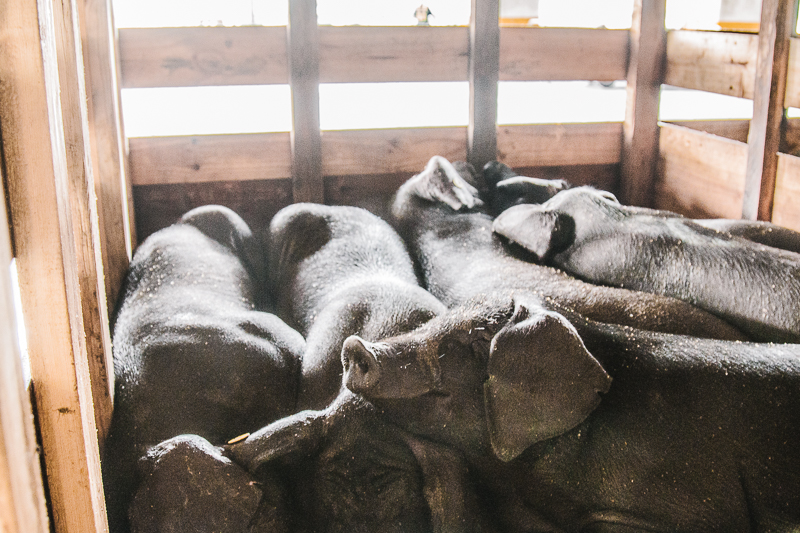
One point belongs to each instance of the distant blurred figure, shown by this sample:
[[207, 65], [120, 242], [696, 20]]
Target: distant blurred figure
[[421, 14]]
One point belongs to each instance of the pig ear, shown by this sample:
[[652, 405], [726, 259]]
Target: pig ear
[[440, 182], [295, 436], [541, 231], [542, 380]]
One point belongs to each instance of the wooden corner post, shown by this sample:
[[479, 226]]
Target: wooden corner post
[[640, 130], [484, 74], [778, 19], [306, 138], [50, 195]]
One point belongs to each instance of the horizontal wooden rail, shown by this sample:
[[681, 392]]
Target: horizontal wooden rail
[[264, 156], [256, 55], [723, 63], [701, 175]]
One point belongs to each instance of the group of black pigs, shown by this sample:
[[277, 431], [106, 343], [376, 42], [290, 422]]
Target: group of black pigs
[[502, 354]]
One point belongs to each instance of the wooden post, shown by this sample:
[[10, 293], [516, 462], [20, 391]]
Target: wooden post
[[306, 138], [22, 505], [778, 18], [53, 236], [109, 164], [484, 73], [640, 129]]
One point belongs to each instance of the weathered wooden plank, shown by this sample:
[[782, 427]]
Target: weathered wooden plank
[[484, 73], [177, 57], [187, 57], [723, 63], [265, 156], [785, 211], [640, 129], [701, 175], [530, 54], [83, 206], [107, 139], [550, 145], [22, 503], [362, 152], [304, 82], [208, 158], [732, 129], [778, 19], [793, 76], [392, 54], [36, 44]]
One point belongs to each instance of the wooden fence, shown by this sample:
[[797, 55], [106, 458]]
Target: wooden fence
[[73, 180]]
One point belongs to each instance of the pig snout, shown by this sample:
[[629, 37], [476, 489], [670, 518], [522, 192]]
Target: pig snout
[[362, 372], [376, 370]]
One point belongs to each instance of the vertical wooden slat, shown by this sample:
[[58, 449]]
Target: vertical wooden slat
[[83, 207], [640, 129], [36, 149], [484, 73], [777, 24], [22, 506], [109, 165], [308, 185]]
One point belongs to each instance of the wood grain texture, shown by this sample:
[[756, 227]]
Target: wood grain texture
[[107, 139], [22, 501], [84, 213], [736, 130], [484, 73], [723, 63], [304, 83], [35, 44], [778, 19], [209, 158], [392, 54], [793, 75], [531, 54], [701, 175], [640, 129], [188, 57], [548, 145], [361, 152], [787, 192]]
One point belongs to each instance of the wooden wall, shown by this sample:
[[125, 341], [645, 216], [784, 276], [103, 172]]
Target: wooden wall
[[73, 183]]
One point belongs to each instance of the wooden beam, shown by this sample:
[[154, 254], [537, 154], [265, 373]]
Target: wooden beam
[[22, 503], [308, 185], [731, 129], [787, 192], [389, 151], [778, 19], [107, 139], [484, 73], [188, 57], [208, 158], [701, 174], [793, 76], [640, 129], [34, 67], [392, 54], [549, 145], [722, 63], [531, 54]]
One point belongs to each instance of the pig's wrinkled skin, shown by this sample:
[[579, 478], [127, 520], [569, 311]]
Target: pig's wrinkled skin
[[589, 234], [192, 354], [341, 271], [440, 217], [574, 425], [350, 471]]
